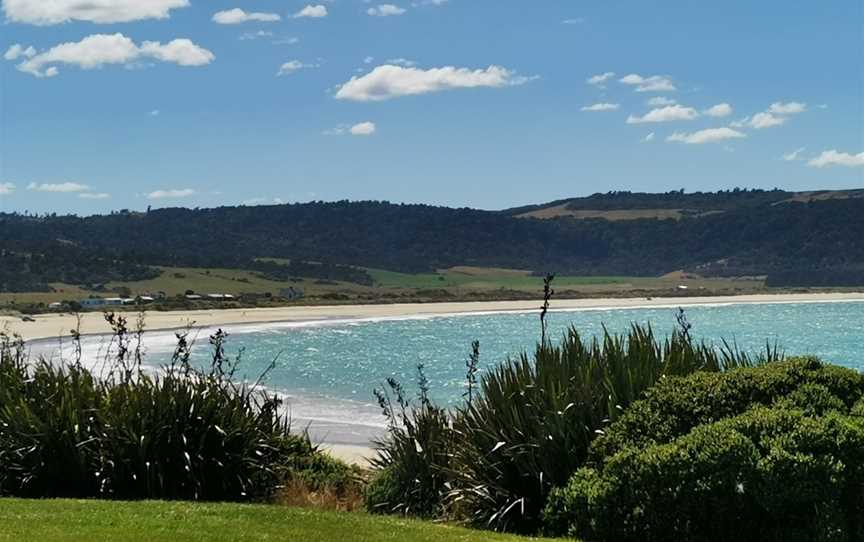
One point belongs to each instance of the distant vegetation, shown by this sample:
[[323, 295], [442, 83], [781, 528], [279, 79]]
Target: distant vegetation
[[815, 237]]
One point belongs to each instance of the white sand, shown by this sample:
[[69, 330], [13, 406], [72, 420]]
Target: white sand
[[48, 326]]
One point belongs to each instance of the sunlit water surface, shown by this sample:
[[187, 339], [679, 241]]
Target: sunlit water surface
[[327, 370]]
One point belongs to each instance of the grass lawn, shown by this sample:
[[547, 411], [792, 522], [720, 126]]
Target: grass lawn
[[68, 520]]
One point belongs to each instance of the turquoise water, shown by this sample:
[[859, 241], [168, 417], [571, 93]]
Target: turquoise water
[[327, 370]]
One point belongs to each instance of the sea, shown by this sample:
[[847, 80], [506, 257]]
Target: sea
[[326, 371]]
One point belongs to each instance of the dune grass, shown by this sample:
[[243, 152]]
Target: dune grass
[[152, 521]]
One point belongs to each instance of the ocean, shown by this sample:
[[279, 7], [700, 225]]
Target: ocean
[[327, 370]]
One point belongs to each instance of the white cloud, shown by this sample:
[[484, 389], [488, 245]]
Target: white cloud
[[601, 107], [171, 193], [600, 78], [154, 113], [719, 110], [48, 12], [654, 83], [648, 138], [102, 49], [669, 113], [794, 155], [710, 135], [835, 158], [789, 108], [17, 51], [363, 129], [401, 62], [660, 101], [293, 66], [286, 41], [385, 10], [388, 81], [58, 187], [248, 36], [237, 16], [94, 195], [6, 189], [368, 60], [765, 120], [313, 12], [575, 20]]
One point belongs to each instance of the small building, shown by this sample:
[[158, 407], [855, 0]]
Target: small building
[[193, 297], [291, 293], [220, 297]]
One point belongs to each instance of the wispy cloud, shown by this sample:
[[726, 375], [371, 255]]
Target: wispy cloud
[[6, 189], [710, 135], [719, 110], [171, 193], [794, 155], [94, 195], [293, 66], [385, 10], [58, 187], [600, 78], [601, 107], [653, 83], [238, 16]]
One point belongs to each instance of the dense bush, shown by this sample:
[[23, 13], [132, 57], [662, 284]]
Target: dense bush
[[414, 457], [771, 453], [178, 434], [528, 428]]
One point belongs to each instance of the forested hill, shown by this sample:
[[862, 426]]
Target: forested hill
[[795, 239]]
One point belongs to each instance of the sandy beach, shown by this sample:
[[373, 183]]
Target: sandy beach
[[49, 326]]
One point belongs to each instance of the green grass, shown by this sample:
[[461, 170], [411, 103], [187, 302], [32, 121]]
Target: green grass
[[68, 520], [477, 278]]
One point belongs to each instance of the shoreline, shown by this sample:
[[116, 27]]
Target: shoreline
[[53, 326]]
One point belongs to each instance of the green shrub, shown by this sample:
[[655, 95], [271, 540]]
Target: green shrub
[[413, 458], [178, 434], [532, 423], [780, 459], [675, 406]]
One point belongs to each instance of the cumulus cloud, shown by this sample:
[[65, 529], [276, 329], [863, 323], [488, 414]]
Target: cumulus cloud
[[313, 12], [237, 16], [835, 158], [385, 10], [601, 107], [654, 83], [293, 66], [670, 113], [710, 135], [171, 193], [99, 50], [18, 51], [363, 129], [765, 120], [600, 78], [794, 155], [48, 12], [788, 108], [719, 110], [6, 189], [94, 195], [389, 81], [58, 187]]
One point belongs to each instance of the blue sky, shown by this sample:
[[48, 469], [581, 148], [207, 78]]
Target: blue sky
[[476, 103]]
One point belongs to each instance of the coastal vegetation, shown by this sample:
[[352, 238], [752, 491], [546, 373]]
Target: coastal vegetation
[[632, 436]]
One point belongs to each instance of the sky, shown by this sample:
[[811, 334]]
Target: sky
[[125, 104]]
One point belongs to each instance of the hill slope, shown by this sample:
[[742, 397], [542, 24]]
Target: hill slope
[[793, 238]]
